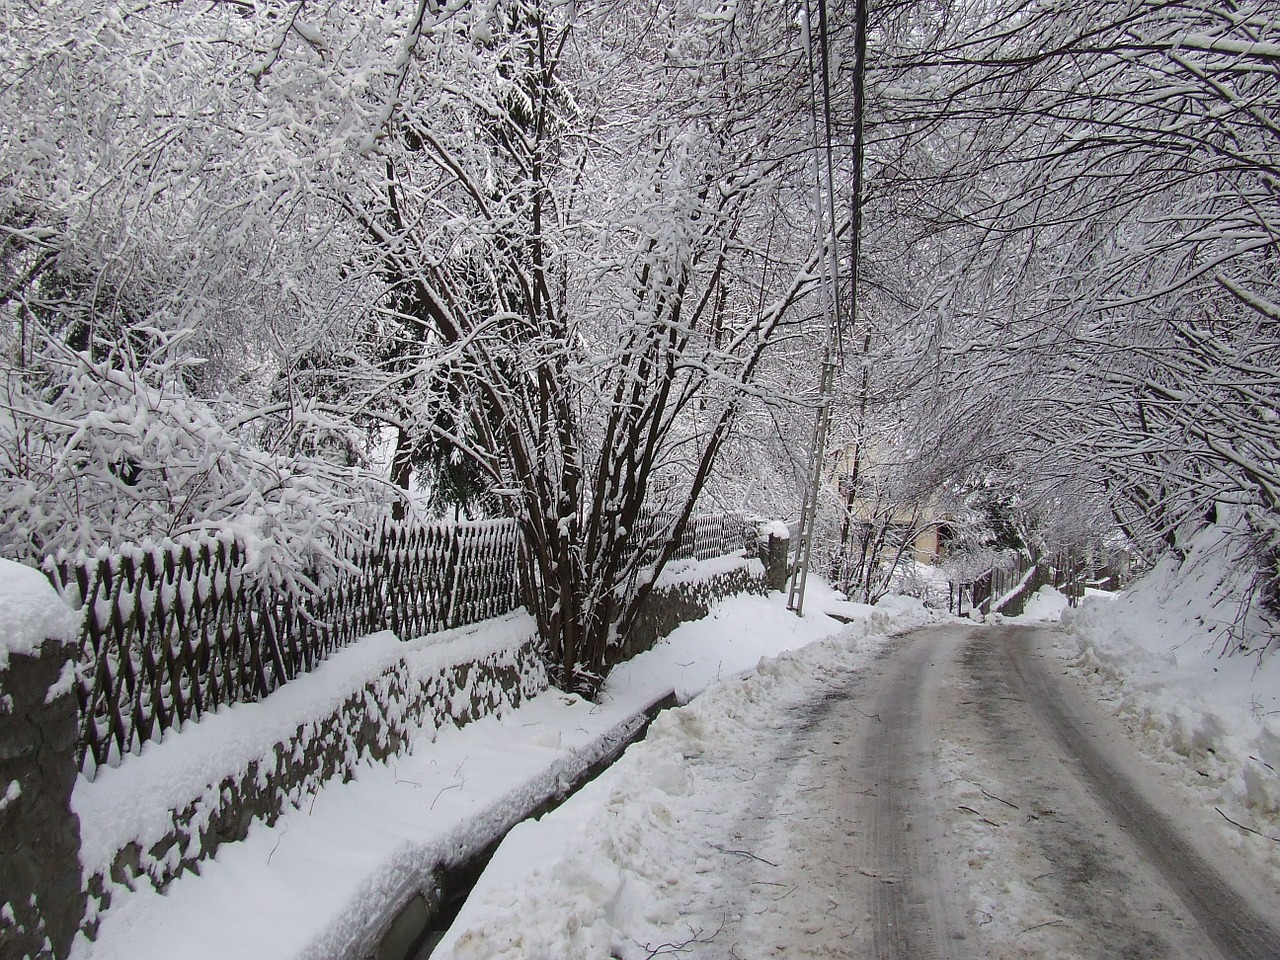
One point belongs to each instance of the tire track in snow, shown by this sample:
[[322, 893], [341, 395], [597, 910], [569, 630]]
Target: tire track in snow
[[912, 916], [1053, 873], [1084, 867]]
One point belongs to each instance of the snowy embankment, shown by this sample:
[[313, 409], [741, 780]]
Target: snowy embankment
[[324, 879], [1155, 654], [619, 866]]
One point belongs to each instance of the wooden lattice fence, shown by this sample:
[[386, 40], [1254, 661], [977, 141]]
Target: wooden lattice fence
[[172, 631], [175, 630], [705, 536], [1067, 570]]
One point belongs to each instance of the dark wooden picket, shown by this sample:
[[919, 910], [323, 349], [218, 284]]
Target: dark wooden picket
[[172, 631]]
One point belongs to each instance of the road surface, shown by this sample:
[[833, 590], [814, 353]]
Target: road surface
[[961, 799]]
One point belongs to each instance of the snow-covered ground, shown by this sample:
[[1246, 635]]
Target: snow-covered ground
[[324, 877], [612, 870], [615, 873]]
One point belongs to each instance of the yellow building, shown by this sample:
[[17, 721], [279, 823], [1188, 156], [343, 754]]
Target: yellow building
[[892, 517]]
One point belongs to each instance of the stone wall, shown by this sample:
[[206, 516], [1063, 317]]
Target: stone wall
[[42, 901], [377, 721], [774, 549]]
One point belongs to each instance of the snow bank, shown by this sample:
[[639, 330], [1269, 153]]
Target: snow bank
[[31, 612], [731, 639], [613, 869], [1047, 603], [323, 880], [1156, 650]]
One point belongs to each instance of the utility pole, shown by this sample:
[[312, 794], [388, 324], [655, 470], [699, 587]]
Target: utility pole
[[827, 235]]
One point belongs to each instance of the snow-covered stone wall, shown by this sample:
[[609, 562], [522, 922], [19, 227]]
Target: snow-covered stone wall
[[162, 812], [686, 591], [41, 900]]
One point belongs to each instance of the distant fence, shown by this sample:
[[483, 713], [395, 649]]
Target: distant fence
[[1067, 570], [705, 536], [176, 630]]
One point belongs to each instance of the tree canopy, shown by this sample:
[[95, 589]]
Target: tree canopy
[[294, 263]]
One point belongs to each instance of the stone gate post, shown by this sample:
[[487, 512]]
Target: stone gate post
[[42, 899], [774, 541]]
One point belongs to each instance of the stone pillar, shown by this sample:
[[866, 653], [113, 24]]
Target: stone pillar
[[774, 545], [42, 899]]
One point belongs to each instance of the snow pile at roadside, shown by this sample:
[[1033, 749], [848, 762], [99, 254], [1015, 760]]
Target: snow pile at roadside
[[323, 879], [731, 639], [620, 866], [1047, 603], [1156, 648]]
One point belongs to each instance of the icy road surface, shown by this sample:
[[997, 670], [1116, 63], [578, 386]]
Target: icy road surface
[[1008, 818], [943, 794]]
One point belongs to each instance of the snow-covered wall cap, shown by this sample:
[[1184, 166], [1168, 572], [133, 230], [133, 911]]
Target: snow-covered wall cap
[[31, 612], [776, 529]]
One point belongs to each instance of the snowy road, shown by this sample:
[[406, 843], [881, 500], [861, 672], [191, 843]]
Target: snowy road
[[941, 794], [957, 793]]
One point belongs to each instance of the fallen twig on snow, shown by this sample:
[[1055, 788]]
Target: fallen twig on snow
[[674, 947], [1264, 763], [989, 796], [1047, 923], [452, 786], [1001, 799], [739, 853], [876, 876], [978, 815], [284, 828], [462, 782], [1246, 829]]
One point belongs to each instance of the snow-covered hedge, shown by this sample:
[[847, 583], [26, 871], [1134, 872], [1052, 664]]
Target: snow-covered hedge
[[99, 452]]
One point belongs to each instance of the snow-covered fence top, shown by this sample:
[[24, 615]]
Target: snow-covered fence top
[[176, 629], [706, 535]]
